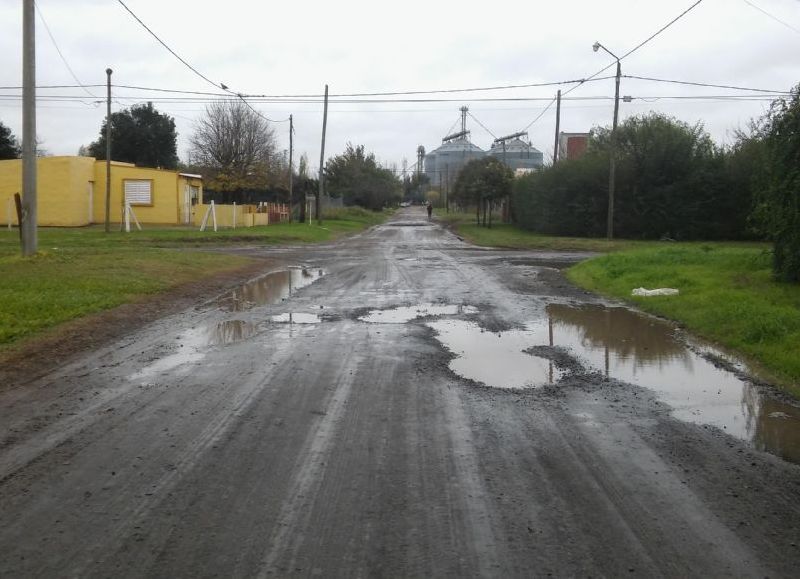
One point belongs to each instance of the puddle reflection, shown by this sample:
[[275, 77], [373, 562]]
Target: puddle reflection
[[296, 318], [403, 314], [230, 332], [270, 289], [644, 351]]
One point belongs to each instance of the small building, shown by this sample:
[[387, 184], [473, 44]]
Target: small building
[[572, 145], [71, 192]]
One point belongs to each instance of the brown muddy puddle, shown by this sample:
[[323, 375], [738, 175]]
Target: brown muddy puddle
[[270, 289], [633, 348]]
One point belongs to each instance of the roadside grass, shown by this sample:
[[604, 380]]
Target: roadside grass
[[510, 237], [80, 271], [727, 295]]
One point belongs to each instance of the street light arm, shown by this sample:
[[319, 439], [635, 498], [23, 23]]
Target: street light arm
[[596, 46]]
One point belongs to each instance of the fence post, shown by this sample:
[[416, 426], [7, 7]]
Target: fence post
[[234, 214]]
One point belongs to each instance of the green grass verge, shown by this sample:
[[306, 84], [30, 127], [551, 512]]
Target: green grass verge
[[80, 271], [511, 237], [727, 294]]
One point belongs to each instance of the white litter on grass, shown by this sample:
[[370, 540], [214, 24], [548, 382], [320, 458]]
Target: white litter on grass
[[662, 291]]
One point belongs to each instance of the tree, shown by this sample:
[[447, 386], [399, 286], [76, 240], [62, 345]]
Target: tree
[[672, 182], [235, 145], [140, 135], [778, 199], [357, 177], [483, 182], [9, 147]]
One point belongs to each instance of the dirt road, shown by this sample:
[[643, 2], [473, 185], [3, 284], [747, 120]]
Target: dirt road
[[398, 404]]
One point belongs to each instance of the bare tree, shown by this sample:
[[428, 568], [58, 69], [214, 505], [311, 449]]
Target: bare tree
[[235, 144]]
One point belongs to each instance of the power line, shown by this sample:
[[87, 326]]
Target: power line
[[540, 115], [482, 125], [662, 29], [61, 54], [175, 54], [707, 85], [775, 18]]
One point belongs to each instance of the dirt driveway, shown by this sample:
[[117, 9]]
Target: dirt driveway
[[397, 404]]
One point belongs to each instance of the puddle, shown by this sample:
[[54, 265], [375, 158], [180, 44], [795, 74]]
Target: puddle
[[230, 332], [495, 359], [633, 348], [644, 351], [403, 314], [270, 289], [296, 318]]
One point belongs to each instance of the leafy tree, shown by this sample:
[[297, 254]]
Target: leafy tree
[[9, 147], [483, 182], [414, 187], [357, 177], [235, 146], [778, 200], [672, 181], [140, 135]]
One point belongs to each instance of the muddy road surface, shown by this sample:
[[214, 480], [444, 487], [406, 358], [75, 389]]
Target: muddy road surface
[[400, 404]]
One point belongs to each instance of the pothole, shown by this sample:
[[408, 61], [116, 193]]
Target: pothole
[[404, 314], [296, 318], [270, 289], [498, 360]]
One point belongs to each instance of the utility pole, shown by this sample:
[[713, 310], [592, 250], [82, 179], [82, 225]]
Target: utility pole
[[108, 151], [291, 172], [558, 126], [322, 157], [612, 150], [28, 221], [612, 172]]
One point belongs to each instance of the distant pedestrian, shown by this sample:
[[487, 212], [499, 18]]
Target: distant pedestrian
[[429, 207]]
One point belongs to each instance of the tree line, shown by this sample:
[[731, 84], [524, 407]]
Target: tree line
[[672, 182]]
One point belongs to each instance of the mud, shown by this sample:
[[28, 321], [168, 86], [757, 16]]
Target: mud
[[250, 447]]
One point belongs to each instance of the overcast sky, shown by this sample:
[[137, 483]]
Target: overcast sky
[[295, 48]]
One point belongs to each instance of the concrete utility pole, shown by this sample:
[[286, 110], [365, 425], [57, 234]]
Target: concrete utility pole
[[28, 222], [108, 151], [322, 157], [558, 126], [291, 172], [612, 175], [612, 161]]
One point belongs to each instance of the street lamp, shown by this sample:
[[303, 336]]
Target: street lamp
[[612, 163]]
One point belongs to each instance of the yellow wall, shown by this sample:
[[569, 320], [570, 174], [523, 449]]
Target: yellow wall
[[167, 193], [62, 189], [64, 185]]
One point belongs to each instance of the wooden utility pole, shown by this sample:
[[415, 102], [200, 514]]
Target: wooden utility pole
[[291, 171], [322, 157], [558, 126], [28, 222], [108, 151]]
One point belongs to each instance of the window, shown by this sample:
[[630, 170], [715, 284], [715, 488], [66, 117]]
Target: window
[[138, 191]]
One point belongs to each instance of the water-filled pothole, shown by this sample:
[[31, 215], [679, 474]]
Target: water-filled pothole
[[404, 314], [498, 360], [630, 347], [271, 288], [296, 318], [645, 351]]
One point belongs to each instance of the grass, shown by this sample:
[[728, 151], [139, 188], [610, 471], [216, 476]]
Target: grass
[[511, 237], [727, 294], [80, 271]]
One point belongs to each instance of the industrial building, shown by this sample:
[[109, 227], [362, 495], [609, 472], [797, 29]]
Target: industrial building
[[443, 164]]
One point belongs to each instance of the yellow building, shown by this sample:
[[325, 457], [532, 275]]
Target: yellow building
[[71, 192]]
